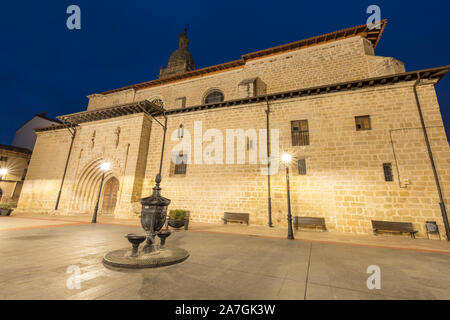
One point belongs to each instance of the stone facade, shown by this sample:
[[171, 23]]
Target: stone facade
[[333, 62], [344, 183]]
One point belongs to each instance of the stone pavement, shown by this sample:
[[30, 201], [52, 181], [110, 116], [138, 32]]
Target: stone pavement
[[381, 241], [27, 223], [221, 266]]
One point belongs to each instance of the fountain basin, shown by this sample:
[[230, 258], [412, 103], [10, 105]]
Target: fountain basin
[[135, 241], [163, 234]]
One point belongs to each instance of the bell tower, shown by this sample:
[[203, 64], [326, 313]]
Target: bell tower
[[180, 60]]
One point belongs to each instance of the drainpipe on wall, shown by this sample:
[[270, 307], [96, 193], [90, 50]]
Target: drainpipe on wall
[[163, 143], [269, 200], [433, 166], [73, 133]]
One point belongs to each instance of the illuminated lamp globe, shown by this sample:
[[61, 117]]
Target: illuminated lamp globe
[[286, 157], [105, 166]]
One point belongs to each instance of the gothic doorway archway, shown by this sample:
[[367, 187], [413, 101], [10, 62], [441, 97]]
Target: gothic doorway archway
[[111, 189]]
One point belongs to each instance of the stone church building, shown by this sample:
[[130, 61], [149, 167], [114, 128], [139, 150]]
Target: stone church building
[[367, 139]]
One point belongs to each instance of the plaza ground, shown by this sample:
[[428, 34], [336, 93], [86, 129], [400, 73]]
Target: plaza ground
[[226, 262]]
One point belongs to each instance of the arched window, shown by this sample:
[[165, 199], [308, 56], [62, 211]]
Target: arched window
[[158, 102], [214, 97]]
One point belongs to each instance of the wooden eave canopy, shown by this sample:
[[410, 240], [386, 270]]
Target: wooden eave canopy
[[151, 108], [373, 36], [111, 112]]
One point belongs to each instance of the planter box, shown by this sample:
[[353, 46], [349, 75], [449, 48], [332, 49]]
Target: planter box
[[5, 212], [177, 223]]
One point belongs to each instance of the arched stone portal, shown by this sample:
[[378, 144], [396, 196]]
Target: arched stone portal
[[111, 190], [87, 187]]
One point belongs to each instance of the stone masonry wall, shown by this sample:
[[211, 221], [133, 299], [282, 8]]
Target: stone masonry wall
[[333, 62], [82, 181], [40, 189], [345, 180]]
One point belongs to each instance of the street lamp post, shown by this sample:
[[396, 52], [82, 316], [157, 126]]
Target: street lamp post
[[286, 158], [105, 166]]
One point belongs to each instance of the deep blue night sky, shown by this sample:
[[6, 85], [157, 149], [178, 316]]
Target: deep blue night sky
[[46, 67]]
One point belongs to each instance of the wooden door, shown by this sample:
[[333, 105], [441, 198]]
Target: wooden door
[[110, 196]]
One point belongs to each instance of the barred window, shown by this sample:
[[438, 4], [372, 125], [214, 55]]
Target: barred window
[[362, 123], [301, 166], [214, 97], [387, 168], [300, 133], [180, 166]]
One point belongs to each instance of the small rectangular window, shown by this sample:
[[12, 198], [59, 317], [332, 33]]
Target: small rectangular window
[[387, 168], [180, 103], [300, 133], [362, 123], [3, 159], [301, 166]]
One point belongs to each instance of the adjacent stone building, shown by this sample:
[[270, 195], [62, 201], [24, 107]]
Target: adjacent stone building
[[13, 169], [353, 121], [25, 136], [14, 159]]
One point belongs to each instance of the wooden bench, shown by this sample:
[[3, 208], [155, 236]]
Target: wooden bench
[[393, 226], [240, 217], [309, 221]]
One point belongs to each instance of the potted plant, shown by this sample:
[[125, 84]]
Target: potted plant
[[5, 209], [178, 218]]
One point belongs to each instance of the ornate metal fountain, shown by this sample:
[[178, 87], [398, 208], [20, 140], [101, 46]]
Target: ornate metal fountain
[[153, 217], [152, 254]]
